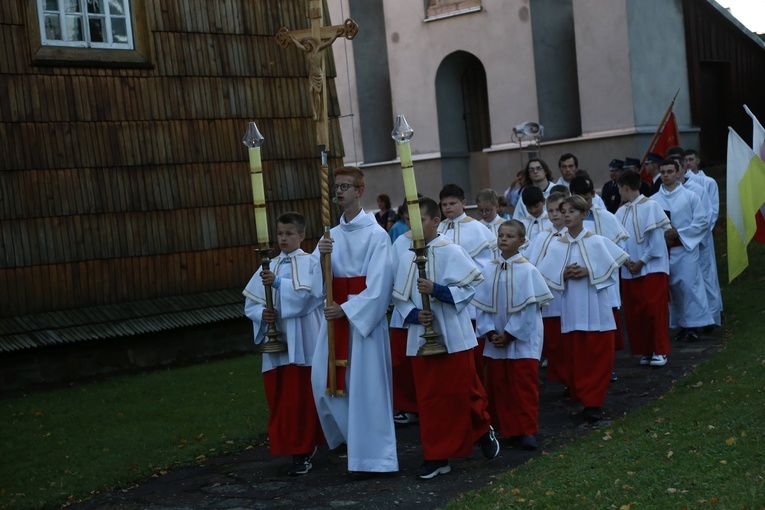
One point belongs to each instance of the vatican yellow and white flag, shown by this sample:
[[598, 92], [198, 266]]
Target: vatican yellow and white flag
[[745, 197]]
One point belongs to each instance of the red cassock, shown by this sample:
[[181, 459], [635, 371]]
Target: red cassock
[[512, 386], [591, 360], [293, 425], [445, 383], [554, 350], [646, 312], [404, 392]]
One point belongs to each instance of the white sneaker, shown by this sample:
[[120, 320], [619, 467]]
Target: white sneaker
[[658, 360], [646, 360]]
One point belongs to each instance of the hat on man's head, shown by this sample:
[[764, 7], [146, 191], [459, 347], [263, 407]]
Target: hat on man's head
[[616, 164], [653, 158], [631, 162]]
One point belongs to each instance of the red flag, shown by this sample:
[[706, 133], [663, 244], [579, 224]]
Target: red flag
[[669, 137], [665, 137]]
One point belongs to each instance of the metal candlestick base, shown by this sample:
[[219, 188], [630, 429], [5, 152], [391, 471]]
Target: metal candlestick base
[[272, 344], [431, 347]]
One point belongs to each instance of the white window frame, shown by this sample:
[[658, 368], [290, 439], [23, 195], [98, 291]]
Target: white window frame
[[86, 17]]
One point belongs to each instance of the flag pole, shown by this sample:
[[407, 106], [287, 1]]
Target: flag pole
[[659, 129]]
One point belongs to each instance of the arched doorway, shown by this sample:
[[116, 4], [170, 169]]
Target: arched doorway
[[462, 101]]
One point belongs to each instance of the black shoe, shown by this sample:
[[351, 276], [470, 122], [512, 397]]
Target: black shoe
[[692, 336], [680, 336], [592, 414], [708, 329], [432, 468], [301, 465], [404, 418], [529, 443], [614, 377], [489, 444]]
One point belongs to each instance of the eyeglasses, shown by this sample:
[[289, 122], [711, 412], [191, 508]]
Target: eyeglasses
[[485, 211], [536, 169], [343, 187]]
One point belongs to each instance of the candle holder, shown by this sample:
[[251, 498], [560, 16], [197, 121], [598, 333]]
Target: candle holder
[[402, 133], [272, 344], [253, 141], [431, 347]]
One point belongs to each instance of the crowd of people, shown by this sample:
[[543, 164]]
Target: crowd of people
[[547, 288]]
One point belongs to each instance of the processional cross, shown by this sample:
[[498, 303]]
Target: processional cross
[[313, 42]]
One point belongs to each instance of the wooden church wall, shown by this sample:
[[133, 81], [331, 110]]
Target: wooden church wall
[[123, 184]]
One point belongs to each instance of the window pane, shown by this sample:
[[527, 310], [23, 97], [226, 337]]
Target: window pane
[[96, 6], [74, 29], [52, 27], [72, 6], [51, 5], [96, 30], [117, 7], [119, 31]]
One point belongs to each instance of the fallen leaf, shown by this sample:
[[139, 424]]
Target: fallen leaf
[[630, 473], [606, 437], [549, 493], [201, 458], [715, 501], [730, 441], [671, 490], [723, 462], [670, 454], [516, 491]]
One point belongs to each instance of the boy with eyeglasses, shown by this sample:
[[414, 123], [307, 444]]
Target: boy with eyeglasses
[[362, 267]]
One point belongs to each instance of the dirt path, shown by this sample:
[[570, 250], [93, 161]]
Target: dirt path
[[252, 479]]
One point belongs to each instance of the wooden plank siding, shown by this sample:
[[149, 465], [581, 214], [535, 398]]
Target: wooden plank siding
[[726, 68], [125, 185]]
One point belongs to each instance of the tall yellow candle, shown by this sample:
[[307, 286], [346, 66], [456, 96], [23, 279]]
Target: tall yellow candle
[[258, 195], [402, 133], [253, 140], [410, 190]]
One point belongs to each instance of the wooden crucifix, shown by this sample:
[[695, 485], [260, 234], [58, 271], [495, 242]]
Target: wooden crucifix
[[313, 42]]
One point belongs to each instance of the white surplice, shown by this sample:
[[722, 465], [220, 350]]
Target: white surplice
[[645, 222], [473, 237], [604, 223], [510, 300], [585, 305], [447, 265], [536, 251], [689, 307], [363, 418], [493, 226], [298, 312]]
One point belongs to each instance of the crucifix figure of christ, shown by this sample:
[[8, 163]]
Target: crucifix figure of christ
[[313, 42]]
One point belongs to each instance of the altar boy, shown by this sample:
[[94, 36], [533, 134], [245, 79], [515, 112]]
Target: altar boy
[[508, 314], [293, 425], [450, 397]]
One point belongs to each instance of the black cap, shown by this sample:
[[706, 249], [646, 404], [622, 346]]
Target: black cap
[[616, 164]]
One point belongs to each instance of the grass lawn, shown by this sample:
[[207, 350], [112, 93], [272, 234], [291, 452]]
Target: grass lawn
[[700, 446], [69, 443]]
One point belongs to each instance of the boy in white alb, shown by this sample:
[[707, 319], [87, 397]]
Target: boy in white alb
[[362, 416], [293, 425], [451, 399], [707, 258], [552, 350], [645, 276], [472, 236], [689, 308], [509, 315], [600, 221], [580, 264]]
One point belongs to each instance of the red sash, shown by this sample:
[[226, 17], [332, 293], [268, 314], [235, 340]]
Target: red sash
[[341, 288]]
